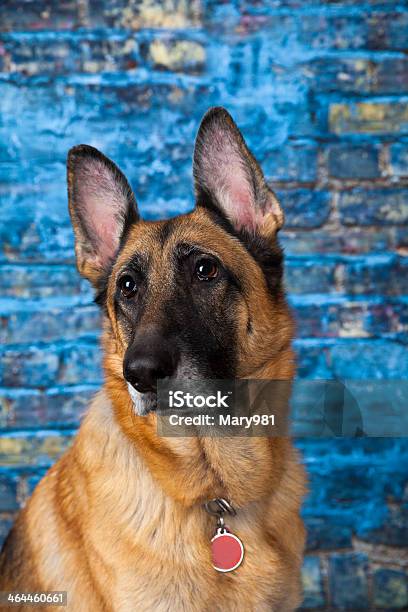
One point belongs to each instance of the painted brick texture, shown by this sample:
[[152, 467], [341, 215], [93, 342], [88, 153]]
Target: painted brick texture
[[320, 90]]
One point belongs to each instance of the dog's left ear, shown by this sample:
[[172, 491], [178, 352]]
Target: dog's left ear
[[101, 205], [228, 177]]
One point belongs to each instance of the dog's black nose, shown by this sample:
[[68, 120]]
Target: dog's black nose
[[148, 359]]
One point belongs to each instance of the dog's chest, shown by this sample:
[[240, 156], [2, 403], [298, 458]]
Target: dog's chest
[[177, 574]]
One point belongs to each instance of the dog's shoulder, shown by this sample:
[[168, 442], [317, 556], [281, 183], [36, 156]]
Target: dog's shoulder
[[17, 571]]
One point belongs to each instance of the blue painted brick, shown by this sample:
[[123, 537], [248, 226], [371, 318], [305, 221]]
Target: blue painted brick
[[348, 581], [388, 30], [334, 486], [45, 53], [323, 534], [361, 450], [376, 274], [37, 450], [390, 589], [340, 317], [312, 584], [394, 528], [34, 15], [399, 159], [352, 31], [308, 275], [353, 162], [327, 31], [357, 75], [28, 367], [305, 208], [370, 359], [69, 15], [175, 53], [38, 280], [354, 241], [312, 361], [47, 321], [401, 240], [8, 493], [382, 117], [294, 163], [37, 234], [374, 207], [353, 359], [151, 14], [80, 364], [53, 407], [395, 488]]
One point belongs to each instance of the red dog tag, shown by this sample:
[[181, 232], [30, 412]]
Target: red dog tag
[[227, 551]]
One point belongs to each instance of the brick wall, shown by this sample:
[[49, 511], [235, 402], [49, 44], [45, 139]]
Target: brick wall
[[320, 90]]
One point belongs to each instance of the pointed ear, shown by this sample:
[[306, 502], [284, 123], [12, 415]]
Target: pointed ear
[[101, 205], [228, 177]]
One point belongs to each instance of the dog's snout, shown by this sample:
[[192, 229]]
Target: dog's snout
[[147, 360]]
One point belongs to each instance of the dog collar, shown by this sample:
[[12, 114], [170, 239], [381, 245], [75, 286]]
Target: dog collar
[[227, 550]]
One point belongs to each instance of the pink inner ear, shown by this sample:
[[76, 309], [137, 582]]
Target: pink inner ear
[[240, 207], [224, 174], [102, 201], [103, 227]]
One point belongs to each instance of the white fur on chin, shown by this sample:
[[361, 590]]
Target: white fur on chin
[[143, 403]]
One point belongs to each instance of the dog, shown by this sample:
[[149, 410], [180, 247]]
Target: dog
[[119, 521]]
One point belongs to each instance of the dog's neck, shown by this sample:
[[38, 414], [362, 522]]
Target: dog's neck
[[193, 470]]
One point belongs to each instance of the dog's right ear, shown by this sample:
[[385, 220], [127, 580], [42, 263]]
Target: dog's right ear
[[229, 179], [101, 205]]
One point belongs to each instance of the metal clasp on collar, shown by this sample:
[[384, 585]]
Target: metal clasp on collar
[[218, 507]]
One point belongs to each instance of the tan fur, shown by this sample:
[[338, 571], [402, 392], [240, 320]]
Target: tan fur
[[118, 521]]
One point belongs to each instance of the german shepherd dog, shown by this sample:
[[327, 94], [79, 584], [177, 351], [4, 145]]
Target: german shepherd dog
[[119, 521]]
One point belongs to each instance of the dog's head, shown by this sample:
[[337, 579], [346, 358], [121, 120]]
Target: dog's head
[[196, 296]]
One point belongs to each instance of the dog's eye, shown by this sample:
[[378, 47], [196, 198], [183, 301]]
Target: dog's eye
[[206, 269], [127, 285]]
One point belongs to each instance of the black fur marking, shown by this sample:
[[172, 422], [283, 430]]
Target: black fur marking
[[101, 290], [130, 221], [197, 318], [138, 263], [166, 231], [268, 257], [205, 335]]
